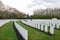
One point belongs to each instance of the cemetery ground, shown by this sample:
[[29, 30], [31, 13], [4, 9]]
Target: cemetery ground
[[7, 32], [34, 34]]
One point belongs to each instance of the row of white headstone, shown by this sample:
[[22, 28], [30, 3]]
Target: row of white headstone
[[2, 22], [22, 31], [43, 25]]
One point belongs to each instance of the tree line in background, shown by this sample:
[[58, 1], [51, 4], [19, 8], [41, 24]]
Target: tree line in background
[[11, 15], [7, 12], [46, 13]]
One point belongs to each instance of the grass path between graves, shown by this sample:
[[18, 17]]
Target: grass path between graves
[[7, 32], [34, 34]]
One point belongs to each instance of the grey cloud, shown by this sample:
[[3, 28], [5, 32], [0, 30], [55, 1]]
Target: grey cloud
[[46, 3]]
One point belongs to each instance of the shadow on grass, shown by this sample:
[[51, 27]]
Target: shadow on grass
[[19, 36]]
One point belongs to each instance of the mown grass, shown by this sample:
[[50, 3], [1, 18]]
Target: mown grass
[[34, 34], [7, 32]]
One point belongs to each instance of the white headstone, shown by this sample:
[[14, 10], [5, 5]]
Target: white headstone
[[35, 25], [54, 21], [51, 29], [38, 26], [46, 28], [58, 25], [41, 27]]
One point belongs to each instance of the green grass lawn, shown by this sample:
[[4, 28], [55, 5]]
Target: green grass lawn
[[7, 32], [34, 34]]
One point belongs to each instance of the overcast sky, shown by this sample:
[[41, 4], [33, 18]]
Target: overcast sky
[[28, 6]]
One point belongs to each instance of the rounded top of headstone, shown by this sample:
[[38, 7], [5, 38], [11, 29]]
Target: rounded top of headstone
[[54, 18]]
